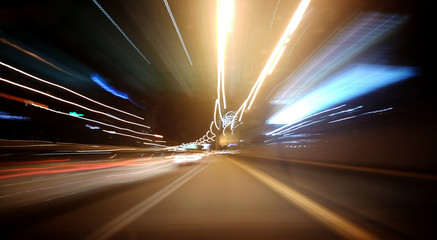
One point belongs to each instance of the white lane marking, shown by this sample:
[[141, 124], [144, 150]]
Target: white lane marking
[[115, 225], [335, 222]]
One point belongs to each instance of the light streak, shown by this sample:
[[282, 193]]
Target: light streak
[[225, 16], [276, 131], [8, 116], [25, 101], [131, 136], [294, 22], [353, 81], [95, 121], [68, 90], [210, 128], [276, 60], [345, 111], [121, 31], [66, 168], [177, 31], [71, 103], [97, 79], [217, 106], [359, 34], [274, 13], [362, 114], [92, 127], [33, 162], [33, 55]]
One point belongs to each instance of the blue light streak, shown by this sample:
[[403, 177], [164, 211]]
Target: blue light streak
[[352, 82], [97, 79], [8, 116]]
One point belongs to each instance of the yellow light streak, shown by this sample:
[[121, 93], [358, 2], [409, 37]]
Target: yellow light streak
[[277, 52], [225, 18]]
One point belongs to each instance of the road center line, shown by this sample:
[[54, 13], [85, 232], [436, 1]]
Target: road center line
[[332, 220], [115, 225]]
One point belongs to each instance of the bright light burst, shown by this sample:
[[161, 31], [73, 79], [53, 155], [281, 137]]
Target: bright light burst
[[225, 18]]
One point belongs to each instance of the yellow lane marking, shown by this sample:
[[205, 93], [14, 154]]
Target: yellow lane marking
[[356, 168], [332, 220]]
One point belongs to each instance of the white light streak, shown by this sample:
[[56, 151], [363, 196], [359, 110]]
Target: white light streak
[[140, 138], [363, 114], [92, 120], [71, 103], [274, 13], [68, 90], [121, 31], [177, 30], [276, 131]]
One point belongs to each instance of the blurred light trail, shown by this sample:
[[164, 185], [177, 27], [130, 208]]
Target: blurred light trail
[[66, 168], [177, 30], [362, 114], [217, 109], [279, 49], [25, 101], [366, 30], [281, 129], [345, 111], [274, 13], [68, 90], [140, 138], [121, 31], [103, 84], [8, 116], [354, 81], [210, 128], [34, 55], [92, 127], [71, 103], [76, 114], [16, 192], [225, 18], [33, 162], [95, 121], [71, 153]]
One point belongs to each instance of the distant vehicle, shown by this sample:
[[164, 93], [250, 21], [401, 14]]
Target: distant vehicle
[[187, 159]]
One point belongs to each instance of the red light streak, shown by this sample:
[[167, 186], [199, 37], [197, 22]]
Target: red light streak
[[77, 167], [18, 99]]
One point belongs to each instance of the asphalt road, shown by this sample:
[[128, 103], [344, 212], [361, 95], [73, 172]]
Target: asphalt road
[[236, 197]]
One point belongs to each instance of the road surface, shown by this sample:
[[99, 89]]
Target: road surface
[[237, 197]]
